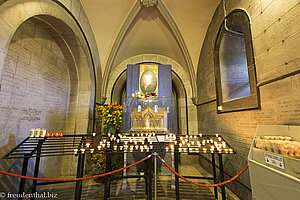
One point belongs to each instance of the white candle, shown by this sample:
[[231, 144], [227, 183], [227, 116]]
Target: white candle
[[92, 150]]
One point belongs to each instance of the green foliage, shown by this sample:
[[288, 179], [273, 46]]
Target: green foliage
[[97, 162]]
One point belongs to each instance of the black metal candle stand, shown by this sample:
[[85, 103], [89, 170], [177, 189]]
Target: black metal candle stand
[[82, 144]]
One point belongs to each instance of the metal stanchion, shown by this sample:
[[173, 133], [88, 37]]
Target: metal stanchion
[[155, 175]]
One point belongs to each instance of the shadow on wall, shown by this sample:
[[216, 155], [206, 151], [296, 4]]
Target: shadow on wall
[[9, 183]]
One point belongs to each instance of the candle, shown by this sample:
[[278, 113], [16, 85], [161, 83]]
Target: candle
[[230, 150], [92, 150], [115, 147], [204, 150], [87, 145], [217, 135], [224, 144], [82, 150], [99, 147], [75, 151], [94, 134], [200, 134]]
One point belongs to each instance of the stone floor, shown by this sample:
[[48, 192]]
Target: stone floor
[[136, 188]]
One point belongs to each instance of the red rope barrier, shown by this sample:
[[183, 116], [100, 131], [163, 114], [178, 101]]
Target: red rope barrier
[[203, 185], [75, 179]]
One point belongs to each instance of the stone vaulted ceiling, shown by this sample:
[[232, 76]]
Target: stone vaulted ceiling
[[149, 32]]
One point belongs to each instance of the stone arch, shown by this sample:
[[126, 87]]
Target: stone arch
[[69, 23], [182, 82], [175, 30]]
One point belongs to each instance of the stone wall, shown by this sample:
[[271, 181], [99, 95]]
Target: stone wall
[[34, 93], [276, 39]]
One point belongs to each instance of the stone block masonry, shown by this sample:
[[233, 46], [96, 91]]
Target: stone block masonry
[[275, 33], [34, 93]]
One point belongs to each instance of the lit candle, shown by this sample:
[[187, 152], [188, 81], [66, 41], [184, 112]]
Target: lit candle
[[224, 144], [230, 150], [99, 147], [167, 148], [92, 150], [179, 149], [200, 134], [219, 138], [75, 151], [87, 145], [82, 150], [151, 146], [121, 148], [217, 135], [115, 147], [136, 146], [226, 150], [204, 150], [94, 134]]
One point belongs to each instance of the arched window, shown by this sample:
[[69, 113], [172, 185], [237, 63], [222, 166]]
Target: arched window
[[234, 65]]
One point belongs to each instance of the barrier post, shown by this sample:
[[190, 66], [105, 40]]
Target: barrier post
[[150, 174], [155, 175], [176, 159]]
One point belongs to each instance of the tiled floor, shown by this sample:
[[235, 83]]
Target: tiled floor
[[136, 188]]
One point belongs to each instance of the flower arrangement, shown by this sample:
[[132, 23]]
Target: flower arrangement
[[148, 95], [111, 116], [138, 95]]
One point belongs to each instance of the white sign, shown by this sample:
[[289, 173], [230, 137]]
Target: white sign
[[274, 160]]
